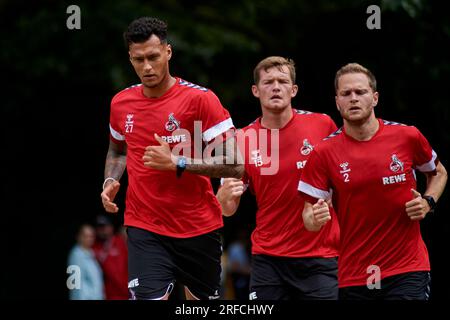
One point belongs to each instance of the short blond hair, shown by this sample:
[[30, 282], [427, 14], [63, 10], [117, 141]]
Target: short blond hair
[[277, 62], [355, 68]]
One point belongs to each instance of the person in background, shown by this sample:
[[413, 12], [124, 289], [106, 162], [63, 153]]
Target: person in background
[[91, 277], [238, 265], [111, 252]]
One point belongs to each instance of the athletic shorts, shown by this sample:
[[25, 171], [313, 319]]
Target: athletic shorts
[[282, 278], [404, 286], [155, 262]]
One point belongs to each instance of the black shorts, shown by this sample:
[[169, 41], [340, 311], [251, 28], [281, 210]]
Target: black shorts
[[155, 262], [282, 278], [404, 286]]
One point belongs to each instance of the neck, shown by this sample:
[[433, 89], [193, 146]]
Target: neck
[[363, 131], [271, 120], [155, 92]]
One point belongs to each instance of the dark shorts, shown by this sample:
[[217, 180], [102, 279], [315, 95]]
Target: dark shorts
[[280, 278], [155, 262], [404, 286]]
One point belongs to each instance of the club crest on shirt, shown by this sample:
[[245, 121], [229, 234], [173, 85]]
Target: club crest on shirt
[[177, 136], [172, 124], [396, 164], [129, 123], [307, 148]]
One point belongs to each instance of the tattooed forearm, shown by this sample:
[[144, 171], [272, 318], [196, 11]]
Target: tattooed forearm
[[226, 163], [217, 170], [115, 161]]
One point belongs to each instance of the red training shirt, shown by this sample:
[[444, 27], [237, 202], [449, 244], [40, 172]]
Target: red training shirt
[[273, 164], [157, 200], [371, 182]]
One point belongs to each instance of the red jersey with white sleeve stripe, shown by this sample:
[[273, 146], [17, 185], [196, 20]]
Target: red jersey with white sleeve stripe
[[371, 182], [157, 200], [273, 165]]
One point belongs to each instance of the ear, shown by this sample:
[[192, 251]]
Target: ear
[[169, 51], [129, 55], [294, 90], [376, 95], [255, 91], [337, 104]]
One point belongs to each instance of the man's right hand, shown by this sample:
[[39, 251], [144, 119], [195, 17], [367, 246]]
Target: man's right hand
[[321, 213], [229, 195], [108, 195], [232, 188]]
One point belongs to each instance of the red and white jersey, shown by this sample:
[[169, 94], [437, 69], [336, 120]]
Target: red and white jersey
[[157, 200], [273, 163], [371, 182]]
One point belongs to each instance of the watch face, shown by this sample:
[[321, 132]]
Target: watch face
[[181, 162], [430, 201]]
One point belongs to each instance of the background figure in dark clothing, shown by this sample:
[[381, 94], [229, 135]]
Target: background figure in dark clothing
[[238, 265], [111, 252]]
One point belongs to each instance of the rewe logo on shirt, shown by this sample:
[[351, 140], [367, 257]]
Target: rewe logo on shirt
[[394, 179], [301, 164], [175, 139]]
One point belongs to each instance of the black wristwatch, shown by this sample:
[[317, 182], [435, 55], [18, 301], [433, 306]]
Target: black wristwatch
[[431, 203], [181, 165]]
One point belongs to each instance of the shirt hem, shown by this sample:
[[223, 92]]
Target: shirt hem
[[332, 254], [174, 234], [354, 283]]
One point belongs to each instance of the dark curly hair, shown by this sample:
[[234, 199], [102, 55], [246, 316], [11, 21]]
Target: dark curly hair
[[141, 29]]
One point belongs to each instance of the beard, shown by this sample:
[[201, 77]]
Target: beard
[[150, 85], [356, 119]]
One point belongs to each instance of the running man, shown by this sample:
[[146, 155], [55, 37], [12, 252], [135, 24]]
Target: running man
[[370, 164], [171, 211], [288, 261]]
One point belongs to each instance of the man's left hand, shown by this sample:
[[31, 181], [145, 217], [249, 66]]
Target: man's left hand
[[418, 207], [159, 157]]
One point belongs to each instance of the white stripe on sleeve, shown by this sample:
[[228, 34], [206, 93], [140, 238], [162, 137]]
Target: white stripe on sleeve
[[313, 192], [218, 129], [116, 135], [430, 165]]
